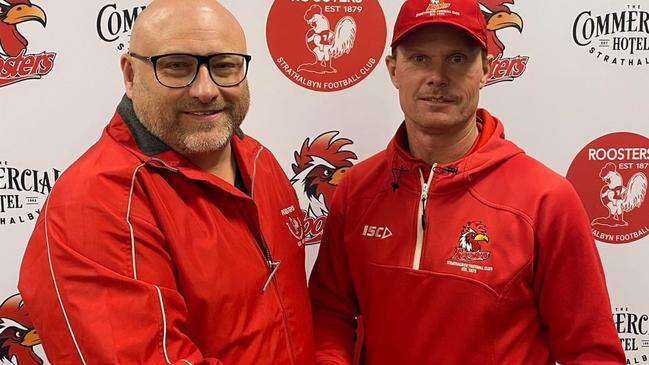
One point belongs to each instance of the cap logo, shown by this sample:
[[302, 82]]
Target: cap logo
[[437, 7]]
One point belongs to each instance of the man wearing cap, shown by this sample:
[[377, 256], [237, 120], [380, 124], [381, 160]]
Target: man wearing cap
[[452, 246]]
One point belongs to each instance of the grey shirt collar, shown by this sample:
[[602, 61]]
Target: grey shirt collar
[[147, 143]]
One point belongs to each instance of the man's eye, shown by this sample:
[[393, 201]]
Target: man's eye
[[175, 65], [419, 58], [457, 58], [225, 65]]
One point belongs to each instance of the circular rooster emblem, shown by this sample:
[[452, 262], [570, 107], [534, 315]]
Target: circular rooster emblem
[[610, 176], [326, 47]]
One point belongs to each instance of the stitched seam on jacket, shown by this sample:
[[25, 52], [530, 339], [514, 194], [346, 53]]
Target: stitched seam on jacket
[[128, 219], [56, 287]]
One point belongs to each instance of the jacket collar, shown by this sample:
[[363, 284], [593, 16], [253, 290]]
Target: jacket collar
[[146, 142], [126, 129], [405, 168]]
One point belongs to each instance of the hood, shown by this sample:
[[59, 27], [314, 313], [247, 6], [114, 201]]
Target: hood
[[453, 175]]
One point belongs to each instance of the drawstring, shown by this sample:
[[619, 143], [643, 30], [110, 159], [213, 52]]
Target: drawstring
[[449, 169], [397, 171], [396, 174]]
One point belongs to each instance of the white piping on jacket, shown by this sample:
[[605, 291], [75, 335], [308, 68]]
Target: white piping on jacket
[[132, 234], [56, 286], [128, 219], [254, 172], [419, 245], [164, 325]]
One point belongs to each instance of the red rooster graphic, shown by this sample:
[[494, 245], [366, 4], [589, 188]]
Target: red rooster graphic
[[12, 13], [498, 16], [327, 44], [17, 334], [469, 247], [319, 166], [617, 198]]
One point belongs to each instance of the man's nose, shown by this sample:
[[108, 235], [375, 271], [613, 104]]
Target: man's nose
[[437, 75], [203, 88]]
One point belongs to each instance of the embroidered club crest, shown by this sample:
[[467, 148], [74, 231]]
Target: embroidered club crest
[[472, 237], [435, 6]]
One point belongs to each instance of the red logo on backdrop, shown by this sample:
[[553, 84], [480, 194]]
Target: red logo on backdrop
[[610, 175], [15, 63], [18, 338], [499, 17], [318, 167], [326, 47]]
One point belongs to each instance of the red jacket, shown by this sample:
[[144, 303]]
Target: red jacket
[[494, 264], [139, 257]]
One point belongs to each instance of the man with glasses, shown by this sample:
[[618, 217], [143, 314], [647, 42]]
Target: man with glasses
[[175, 239]]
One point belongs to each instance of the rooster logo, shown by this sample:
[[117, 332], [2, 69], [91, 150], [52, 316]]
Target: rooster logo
[[499, 17], [319, 166], [12, 13], [15, 64], [617, 198], [18, 337], [469, 248], [434, 7], [324, 43]]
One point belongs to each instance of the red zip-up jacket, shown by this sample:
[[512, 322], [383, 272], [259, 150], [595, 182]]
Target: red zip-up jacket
[[487, 260], [139, 257]]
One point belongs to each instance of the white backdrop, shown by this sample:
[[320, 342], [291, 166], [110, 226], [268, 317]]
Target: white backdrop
[[567, 96]]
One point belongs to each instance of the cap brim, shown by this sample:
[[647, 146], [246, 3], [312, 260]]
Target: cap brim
[[438, 21]]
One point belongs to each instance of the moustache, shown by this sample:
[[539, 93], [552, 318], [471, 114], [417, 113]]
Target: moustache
[[197, 106]]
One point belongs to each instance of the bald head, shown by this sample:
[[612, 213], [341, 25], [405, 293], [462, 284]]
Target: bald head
[[199, 118], [168, 26]]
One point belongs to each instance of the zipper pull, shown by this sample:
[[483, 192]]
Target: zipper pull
[[273, 266], [423, 204]]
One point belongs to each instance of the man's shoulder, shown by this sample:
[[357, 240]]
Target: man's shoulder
[[99, 170], [535, 173], [524, 183], [366, 177], [368, 169]]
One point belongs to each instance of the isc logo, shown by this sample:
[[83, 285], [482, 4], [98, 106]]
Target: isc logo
[[378, 232]]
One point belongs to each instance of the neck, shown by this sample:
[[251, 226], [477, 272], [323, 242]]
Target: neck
[[220, 163], [441, 147]]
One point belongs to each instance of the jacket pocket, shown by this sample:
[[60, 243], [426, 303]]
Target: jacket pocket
[[418, 317]]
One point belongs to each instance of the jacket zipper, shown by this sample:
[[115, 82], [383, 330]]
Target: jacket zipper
[[268, 257], [421, 217], [273, 266]]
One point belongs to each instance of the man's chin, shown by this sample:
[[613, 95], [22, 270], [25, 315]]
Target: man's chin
[[205, 143]]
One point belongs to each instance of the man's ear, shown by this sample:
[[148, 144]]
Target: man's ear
[[486, 69], [127, 73], [391, 63]]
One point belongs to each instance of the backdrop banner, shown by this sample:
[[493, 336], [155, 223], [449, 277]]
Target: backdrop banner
[[568, 80]]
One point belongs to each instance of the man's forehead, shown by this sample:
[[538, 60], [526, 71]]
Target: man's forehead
[[200, 29], [201, 42]]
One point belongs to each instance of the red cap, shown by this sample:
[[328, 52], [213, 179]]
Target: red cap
[[464, 14]]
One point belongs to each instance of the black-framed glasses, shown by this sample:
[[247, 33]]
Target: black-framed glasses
[[178, 70]]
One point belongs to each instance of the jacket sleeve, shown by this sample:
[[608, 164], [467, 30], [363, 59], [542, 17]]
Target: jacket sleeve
[[332, 293], [91, 302], [570, 286]]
